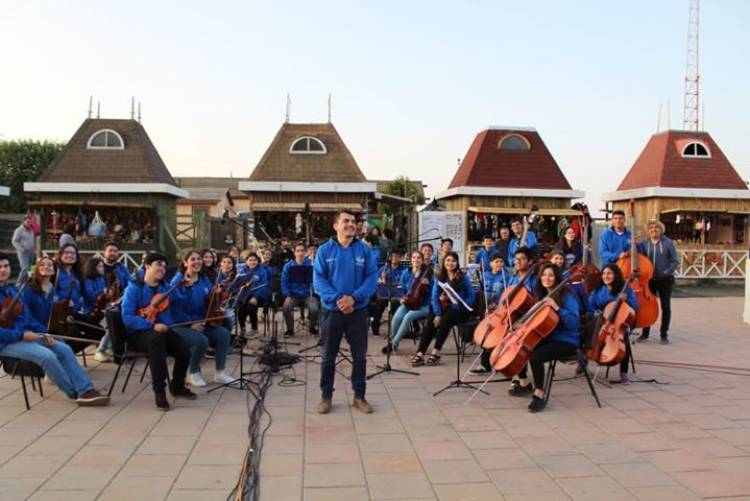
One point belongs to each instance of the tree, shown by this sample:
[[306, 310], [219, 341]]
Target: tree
[[20, 162], [401, 186]]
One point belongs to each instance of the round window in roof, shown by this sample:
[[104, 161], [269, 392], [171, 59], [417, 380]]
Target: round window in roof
[[308, 145], [514, 142], [106, 139], [696, 150]]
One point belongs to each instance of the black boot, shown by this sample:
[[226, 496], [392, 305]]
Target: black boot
[[182, 391], [161, 400]]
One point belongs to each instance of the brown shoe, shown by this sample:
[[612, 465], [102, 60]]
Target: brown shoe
[[362, 405], [324, 407], [92, 398]]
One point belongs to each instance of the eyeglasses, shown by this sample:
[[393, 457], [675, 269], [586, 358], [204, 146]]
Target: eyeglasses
[[68, 253]]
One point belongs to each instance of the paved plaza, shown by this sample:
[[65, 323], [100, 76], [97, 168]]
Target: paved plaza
[[686, 438]]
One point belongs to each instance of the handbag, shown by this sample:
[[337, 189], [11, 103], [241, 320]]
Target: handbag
[[97, 228]]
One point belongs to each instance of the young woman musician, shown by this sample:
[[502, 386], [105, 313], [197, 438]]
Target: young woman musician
[[612, 283], [39, 294], [256, 294], [26, 339], [190, 304], [445, 314], [69, 278], [405, 316], [562, 341], [93, 283], [209, 264], [226, 277], [570, 247]]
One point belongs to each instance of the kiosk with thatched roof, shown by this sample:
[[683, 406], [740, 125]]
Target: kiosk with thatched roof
[[109, 182]]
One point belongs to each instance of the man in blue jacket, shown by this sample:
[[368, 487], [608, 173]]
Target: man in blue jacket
[[113, 269], [531, 241], [615, 240], [486, 253], [156, 338], [345, 276], [661, 251], [297, 290]]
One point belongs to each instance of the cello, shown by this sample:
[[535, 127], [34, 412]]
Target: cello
[[640, 268], [609, 330]]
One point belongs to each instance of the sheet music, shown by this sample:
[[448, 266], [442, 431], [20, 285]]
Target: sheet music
[[454, 296]]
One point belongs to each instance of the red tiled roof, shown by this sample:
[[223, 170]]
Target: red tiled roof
[[661, 164], [486, 165]]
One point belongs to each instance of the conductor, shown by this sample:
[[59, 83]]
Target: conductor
[[345, 275]]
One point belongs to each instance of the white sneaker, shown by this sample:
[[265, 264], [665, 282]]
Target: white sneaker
[[222, 377], [196, 380], [101, 356]]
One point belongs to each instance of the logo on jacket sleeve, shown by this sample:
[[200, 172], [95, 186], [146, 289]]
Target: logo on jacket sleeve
[[359, 261]]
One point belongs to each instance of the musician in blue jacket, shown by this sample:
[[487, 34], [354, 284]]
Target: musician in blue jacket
[[404, 316], [114, 270], [445, 313], [297, 290], [191, 305], [93, 283], [389, 277], [562, 341], [615, 241], [69, 281], [256, 294], [26, 339], [156, 337], [345, 276], [523, 260], [612, 283], [486, 253], [516, 227]]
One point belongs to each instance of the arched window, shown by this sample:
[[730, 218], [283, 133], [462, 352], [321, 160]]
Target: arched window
[[696, 150], [514, 142], [106, 139], [308, 145]]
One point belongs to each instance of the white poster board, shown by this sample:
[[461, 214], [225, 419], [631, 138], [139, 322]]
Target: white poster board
[[435, 225]]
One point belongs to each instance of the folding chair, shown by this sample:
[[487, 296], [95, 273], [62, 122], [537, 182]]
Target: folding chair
[[24, 368], [579, 357]]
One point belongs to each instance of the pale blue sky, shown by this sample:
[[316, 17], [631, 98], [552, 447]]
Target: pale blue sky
[[412, 82]]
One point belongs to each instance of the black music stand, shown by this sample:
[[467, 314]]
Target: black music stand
[[392, 292]]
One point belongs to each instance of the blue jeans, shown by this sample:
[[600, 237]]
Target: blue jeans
[[25, 260], [197, 343], [218, 337], [105, 344], [58, 362], [403, 318], [336, 325]]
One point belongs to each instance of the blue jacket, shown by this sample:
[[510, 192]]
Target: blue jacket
[[39, 304], [529, 283], [92, 287], [120, 271], [515, 243], [190, 303], [61, 291], [572, 256], [466, 292], [494, 285], [22, 323], [407, 280], [662, 254], [259, 277], [484, 257], [345, 271], [601, 297], [612, 244], [567, 329], [294, 289], [392, 275], [137, 296]]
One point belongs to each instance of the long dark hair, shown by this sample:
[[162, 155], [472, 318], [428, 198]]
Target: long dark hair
[[540, 291], [76, 268], [618, 283], [562, 244], [458, 280], [89, 269], [36, 279], [185, 256]]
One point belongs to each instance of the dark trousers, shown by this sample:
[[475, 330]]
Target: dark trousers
[[159, 345], [376, 312], [663, 288], [450, 318], [546, 351], [249, 310], [336, 325], [313, 308]]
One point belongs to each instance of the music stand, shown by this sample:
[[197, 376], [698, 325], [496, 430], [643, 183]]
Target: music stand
[[393, 292]]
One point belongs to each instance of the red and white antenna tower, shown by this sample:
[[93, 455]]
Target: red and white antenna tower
[[692, 74]]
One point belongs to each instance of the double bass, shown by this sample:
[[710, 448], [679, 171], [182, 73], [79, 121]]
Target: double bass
[[609, 347], [640, 268]]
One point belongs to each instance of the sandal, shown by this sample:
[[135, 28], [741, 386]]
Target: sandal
[[417, 360], [433, 360]]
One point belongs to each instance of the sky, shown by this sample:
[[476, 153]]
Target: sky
[[412, 82]]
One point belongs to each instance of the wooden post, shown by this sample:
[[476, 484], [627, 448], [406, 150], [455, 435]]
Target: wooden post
[[746, 313]]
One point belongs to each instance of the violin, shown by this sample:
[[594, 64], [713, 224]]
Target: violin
[[609, 347], [513, 352], [514, 302], [418, 289], [217, 300], [12, 307], [640, 268], [61, 311], [159, 303]]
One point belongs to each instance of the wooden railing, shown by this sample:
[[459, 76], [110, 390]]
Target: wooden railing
[[715, 263]]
